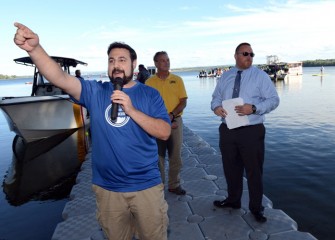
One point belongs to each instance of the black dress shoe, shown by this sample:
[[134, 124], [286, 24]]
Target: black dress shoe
[[259, 216], [178, 190], [224, 204]]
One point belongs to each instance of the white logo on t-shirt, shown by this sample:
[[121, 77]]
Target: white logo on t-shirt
[[122, 117]]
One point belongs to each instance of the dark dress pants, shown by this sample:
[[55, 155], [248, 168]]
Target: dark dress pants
[[243, 149]]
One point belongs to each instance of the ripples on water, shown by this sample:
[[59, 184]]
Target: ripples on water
[[35, 183], [300, 151], [300, 145]]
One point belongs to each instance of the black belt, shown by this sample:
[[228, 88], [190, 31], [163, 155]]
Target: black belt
[[242, 126]]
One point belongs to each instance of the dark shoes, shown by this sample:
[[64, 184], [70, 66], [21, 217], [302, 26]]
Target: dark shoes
[[259, 216], [224, 204], [178, 190]]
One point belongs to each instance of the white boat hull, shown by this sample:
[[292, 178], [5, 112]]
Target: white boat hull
[[41, 168], [40, 117]]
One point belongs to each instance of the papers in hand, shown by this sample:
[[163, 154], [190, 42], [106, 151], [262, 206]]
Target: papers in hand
[[233, 120]]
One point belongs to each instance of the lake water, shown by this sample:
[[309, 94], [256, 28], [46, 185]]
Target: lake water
[[37, 179], [299, 164]]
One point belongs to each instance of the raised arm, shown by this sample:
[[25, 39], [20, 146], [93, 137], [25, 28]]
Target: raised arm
[[27, 40]]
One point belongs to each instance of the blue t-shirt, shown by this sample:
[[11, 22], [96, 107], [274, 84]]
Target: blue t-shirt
[[124, 156]]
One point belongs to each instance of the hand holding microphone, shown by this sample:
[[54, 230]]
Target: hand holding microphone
[[118, 84]]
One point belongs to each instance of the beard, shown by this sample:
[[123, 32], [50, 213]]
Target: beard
[[126, 79]]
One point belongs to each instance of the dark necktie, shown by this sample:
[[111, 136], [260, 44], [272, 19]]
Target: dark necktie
[[236, 89]]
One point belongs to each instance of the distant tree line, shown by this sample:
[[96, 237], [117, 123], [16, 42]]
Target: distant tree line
[[306, 63], [318, 62], [7, 77]]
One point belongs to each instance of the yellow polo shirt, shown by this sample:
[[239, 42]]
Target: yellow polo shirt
[[171, 89]]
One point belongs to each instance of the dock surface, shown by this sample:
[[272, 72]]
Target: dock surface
[[192, 216]]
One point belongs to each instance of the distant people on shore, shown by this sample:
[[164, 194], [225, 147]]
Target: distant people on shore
[[143, 74]]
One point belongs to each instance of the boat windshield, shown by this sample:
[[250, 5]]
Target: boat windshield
[[41, 80]]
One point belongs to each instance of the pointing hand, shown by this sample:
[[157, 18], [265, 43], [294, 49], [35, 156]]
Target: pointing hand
[[25, 38]]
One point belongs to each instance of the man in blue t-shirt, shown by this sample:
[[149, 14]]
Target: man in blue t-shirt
[[125, 173]]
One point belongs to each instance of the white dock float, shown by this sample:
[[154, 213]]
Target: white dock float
[[192, 216]]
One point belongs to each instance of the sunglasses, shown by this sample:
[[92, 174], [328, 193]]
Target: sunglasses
[[246, 54]]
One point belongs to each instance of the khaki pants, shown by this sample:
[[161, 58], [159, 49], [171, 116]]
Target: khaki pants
[[173, 147], [121, 214]]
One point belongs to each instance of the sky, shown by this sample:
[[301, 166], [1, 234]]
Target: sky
[[194, 33]]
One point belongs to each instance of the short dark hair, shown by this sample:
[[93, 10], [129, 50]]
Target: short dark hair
[[133, 55], [240, 45], [157, 54]]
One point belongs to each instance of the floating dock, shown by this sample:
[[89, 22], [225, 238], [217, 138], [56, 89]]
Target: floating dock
[[192, 216]]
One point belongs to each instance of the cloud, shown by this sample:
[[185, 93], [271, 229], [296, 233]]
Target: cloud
[[193, 36]]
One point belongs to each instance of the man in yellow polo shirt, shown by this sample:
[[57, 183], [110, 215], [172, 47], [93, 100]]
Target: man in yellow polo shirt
[[172, 89]]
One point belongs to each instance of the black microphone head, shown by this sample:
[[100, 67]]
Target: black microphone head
[[117, 84], [117, 81]]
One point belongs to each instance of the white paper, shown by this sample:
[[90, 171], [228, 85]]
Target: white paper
[[233, 120]]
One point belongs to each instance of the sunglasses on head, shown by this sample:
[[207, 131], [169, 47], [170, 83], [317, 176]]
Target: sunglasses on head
[[247, 54]]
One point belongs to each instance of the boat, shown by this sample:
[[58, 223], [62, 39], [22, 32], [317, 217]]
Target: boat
[[202, 74], [319, 74], [213, 73], [279, 70], [48, 111], [45, 169]]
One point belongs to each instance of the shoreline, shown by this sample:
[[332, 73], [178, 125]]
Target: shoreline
[[184, 69]]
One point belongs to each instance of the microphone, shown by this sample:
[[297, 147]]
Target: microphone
[[118, 84]]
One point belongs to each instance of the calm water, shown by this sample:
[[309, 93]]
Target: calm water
[[37, 180], [299, 165], [300, 145]]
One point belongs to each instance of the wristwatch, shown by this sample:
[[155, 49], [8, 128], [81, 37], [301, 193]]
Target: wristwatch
[[173, 116], [254, 109]]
